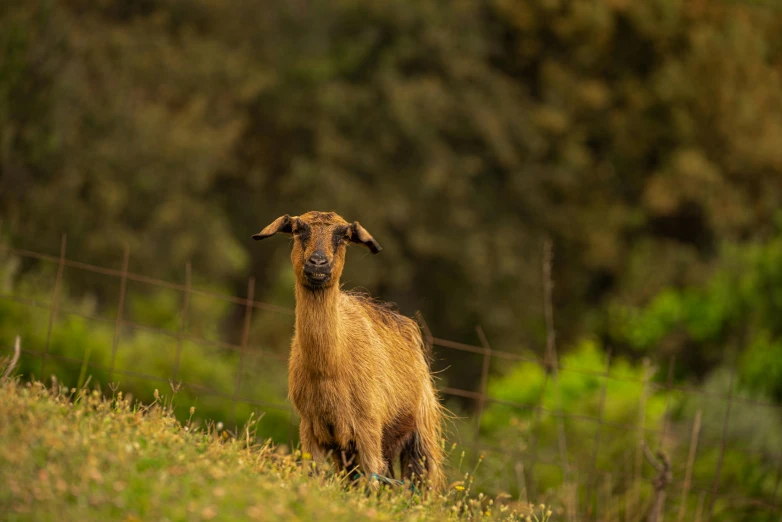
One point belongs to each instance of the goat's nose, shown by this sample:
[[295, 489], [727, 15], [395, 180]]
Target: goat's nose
[[318, 259]]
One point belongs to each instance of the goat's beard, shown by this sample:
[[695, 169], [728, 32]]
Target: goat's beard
[[318, 290]]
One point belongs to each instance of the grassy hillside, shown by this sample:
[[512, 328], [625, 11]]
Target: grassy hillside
[[73, 455]]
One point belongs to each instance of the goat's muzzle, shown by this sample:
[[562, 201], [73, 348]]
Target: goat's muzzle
[[317, 270]]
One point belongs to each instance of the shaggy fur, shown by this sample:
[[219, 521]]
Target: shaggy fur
[[358, 370]]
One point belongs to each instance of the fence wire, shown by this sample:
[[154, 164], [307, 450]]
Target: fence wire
[[519, 467]]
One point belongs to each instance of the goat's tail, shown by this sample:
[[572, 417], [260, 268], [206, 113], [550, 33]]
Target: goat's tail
[[429, 427], [425, 337]]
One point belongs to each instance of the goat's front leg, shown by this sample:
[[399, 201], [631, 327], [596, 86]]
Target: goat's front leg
[[370, 452], [309, 443]]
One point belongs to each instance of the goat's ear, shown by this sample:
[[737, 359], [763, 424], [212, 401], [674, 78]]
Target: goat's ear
[[283, 224], [359, 234]]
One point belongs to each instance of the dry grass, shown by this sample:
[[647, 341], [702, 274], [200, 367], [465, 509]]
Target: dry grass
[[73, 455]]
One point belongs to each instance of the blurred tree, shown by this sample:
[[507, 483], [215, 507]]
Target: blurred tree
[[639, 136]]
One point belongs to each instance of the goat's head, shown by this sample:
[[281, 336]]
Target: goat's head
[[319, 243]]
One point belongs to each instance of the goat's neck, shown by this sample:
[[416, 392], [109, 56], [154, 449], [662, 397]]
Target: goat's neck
[[317, 327]]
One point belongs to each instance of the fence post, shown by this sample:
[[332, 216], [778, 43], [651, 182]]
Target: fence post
[[182, 322], [548, 307], [530, 482], [248, 311], [699, 507], [629, 473], [608, 505], [723, 444], [639, 454], [484, 384], [553, 366], [776, 481], [54, 305], [120, 311], [662, 463], [521, 481], [696, 430], [668, 387], [601, 413]]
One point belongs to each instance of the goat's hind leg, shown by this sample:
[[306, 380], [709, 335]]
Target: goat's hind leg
[[412, 460]]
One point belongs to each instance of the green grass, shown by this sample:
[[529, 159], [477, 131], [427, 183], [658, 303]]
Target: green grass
[[71, 454]]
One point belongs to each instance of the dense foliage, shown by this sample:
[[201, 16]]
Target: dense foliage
[[639, 136]]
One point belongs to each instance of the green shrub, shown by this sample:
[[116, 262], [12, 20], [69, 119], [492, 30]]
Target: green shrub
[[578, 394]]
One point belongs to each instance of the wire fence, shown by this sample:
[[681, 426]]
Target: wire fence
[[594, 486]]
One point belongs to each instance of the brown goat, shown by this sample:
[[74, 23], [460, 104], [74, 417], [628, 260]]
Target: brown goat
[[358, 371]]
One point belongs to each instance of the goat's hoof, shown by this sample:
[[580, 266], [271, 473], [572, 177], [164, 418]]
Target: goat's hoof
[[374, 482]]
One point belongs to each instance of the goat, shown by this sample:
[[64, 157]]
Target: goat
[[358, 372]]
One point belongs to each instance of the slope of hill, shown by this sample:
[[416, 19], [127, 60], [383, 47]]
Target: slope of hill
[[73, 455]]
